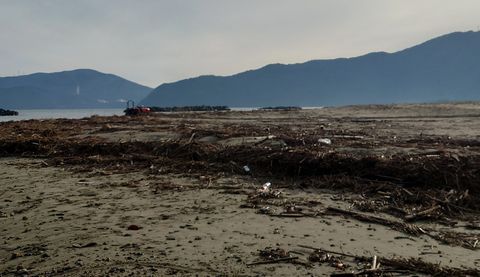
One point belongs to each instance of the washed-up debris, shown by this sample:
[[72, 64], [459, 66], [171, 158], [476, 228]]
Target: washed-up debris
[[325, 141], [353, 137], [279, 260], [426, 213], [425, 185], [21, 271], [190, 109], [16, 255], [134, 227], [319, 256], [266, 192], [246, 169], [289, 215], [292, 209], [280, 163], [465, 240], [90, 244], [379, 266], [29, 250], [260, 198], [265, 187], [395, 225], [473, 226], [433, 185], [369, 205], [413, 173], [264, 210], [273, 255]]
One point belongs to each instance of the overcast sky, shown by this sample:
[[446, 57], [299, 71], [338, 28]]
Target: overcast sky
[[157, 41]]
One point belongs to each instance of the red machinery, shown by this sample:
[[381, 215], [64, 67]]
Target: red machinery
[[138, 110]]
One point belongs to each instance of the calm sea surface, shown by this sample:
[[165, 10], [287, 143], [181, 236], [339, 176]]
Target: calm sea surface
[[49, 114], [81, 113]]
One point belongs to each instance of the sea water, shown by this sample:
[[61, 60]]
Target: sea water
[[81, 113], [54, 113]]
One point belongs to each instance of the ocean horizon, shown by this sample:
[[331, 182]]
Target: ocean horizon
[[60, 113], [81, 113]]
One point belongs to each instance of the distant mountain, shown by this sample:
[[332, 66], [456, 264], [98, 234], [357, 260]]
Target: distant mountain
[[442, 69], [82, 88]]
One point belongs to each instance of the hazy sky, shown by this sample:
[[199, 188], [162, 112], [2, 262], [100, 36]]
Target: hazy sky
[[157, 41]]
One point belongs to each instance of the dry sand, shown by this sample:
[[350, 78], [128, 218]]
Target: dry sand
[[58, 220]]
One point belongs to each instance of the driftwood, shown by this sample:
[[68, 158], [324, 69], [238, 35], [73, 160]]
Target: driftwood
[[469, 241], [395, 225], [279, 260], [400, 265], [422, 214]]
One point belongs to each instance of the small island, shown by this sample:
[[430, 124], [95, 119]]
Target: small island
[[7, 112]]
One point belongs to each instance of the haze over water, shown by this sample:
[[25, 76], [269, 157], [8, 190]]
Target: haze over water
[[54, 113]]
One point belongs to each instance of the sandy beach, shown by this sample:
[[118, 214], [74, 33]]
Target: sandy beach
[[184, 194]]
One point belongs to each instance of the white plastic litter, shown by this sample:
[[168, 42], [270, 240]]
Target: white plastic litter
[[325, 141], [266, 186]]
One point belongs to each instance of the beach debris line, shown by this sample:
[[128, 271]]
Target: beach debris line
[[465, 240], [415, 187], [379, 266], [202, 108], [407, 182], [409, 186]]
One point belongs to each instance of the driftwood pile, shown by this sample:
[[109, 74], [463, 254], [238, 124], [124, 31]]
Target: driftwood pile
[[415, 187], [441, 186]]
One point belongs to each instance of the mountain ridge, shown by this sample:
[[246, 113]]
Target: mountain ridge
[[78, 88], [414, 74]]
